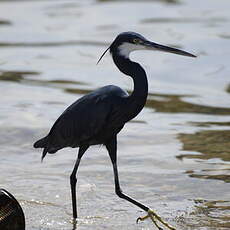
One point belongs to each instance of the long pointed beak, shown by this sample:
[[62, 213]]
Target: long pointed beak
[[154, 46]]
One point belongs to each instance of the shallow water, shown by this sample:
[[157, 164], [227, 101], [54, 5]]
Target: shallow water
[[173, 157]]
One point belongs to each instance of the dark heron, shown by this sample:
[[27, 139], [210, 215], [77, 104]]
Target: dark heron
[[99, 116]]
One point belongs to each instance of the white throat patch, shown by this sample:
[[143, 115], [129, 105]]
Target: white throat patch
[[126, 48]]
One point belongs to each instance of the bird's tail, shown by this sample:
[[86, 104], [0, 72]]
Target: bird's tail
[[42, 143], [45, 151]]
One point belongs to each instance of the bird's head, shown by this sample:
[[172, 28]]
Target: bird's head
[[127, 42]]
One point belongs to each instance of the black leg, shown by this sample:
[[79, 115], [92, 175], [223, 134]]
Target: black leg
[[112, 149], [73, 179]]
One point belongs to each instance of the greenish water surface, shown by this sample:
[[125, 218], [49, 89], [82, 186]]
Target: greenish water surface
[[174, 156]]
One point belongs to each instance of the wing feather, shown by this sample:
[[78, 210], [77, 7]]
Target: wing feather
[[82, 121], [85, 118]]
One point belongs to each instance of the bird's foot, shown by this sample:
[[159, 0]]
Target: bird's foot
[[154, 217]]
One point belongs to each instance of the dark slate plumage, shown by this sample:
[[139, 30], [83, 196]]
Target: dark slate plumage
[[91, 120], [98, 117]]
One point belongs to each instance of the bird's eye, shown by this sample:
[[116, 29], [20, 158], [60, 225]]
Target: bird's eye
[[136, 41]]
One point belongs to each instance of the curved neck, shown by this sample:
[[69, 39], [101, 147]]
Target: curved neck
[[137, 99]]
